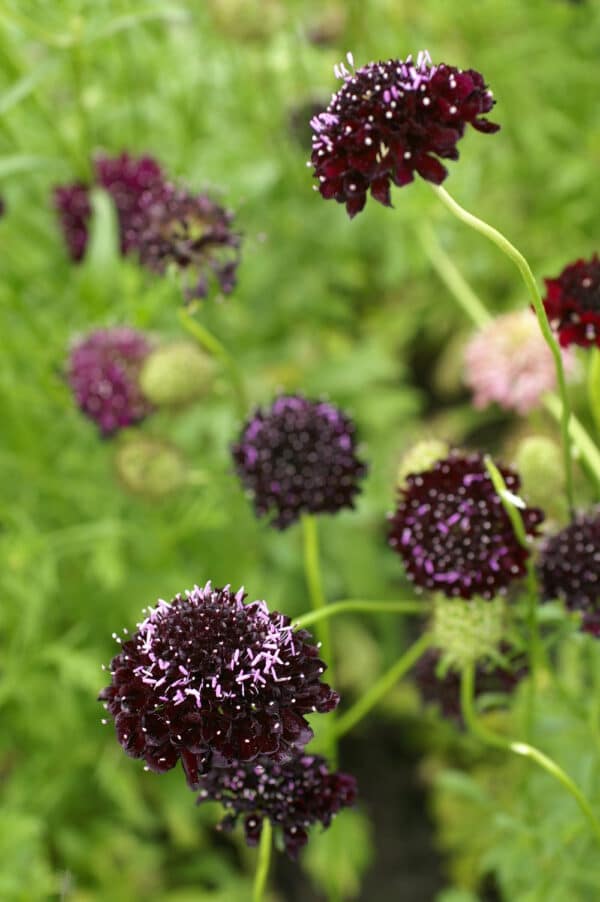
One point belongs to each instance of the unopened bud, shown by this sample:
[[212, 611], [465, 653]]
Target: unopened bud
[[421, 457], [468, 631], [151, 467], [176, 374]]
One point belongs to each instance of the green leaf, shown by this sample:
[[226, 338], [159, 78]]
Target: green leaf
[[337, 858]]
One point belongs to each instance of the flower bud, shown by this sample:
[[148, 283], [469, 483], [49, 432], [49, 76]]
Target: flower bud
[[151, 467], [539, 461], [176, 374], [421, 457], [468, 631]]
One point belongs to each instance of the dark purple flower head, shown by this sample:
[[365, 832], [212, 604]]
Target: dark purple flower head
[[453, 533], [444, 690], [390, 120], [210, 680], [570, 568], [293, 796], [133, 183], [572, 303], [194, 234], [103, 373], [299, 456]]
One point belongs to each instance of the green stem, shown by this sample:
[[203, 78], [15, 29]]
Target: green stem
[[453, 278], [523, 266], [318, 602], [381, 687], [263, 861], [533, 630], [368, 607], [464, 294], [467, 693], [593, 386], [212, 344]]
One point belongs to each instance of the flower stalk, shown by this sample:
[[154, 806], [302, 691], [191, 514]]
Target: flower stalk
[[525, 270], [521, 748], [263, 862]]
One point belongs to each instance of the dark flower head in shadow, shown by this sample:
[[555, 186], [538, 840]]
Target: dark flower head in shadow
[[293, 796], [569, 568]]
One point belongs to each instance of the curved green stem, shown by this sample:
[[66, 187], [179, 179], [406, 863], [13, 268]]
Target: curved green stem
[[381, 687], [467, 692], [509, 503], [523, 266], [212, 344], [263, 862], [318, 602], [367, 607]]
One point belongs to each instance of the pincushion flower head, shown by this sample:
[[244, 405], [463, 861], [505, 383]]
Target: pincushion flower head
[[509, 362], [134, 183], [103, 373], [209, 680], [570, 568], [390, 120], [293, 795], [193, 234], [299, 456], [572, 303], [453, 533]]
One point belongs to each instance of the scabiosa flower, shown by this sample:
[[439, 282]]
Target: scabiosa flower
[[194, 234], [508, 361], [103, 373], [299, 456], [443, 688], [209, 680], [572, 303], [134, 183], [570, 568], [390, 120], [293, 796], [453, 533]]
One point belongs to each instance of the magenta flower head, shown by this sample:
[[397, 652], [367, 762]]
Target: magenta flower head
[[509, 362], [293, 796], [134, 183], [390, 120], [443, 688], [209, 680], [193, 234], [572, 303], [103, 373], [299, 456], [570, 568], [453, 533]]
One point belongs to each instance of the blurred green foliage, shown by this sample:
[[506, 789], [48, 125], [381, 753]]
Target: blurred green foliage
[[215, 90]]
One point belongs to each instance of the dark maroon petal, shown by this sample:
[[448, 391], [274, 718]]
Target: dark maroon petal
[[380, 190], [431, 169], [572, 303]]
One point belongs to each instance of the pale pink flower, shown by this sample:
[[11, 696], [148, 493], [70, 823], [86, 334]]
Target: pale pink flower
[[508, 362]]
